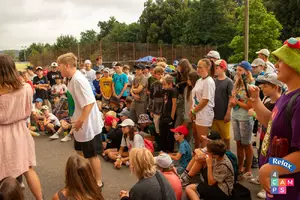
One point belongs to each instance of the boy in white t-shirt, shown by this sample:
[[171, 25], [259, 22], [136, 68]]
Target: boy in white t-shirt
[[59, 88], [86, 117], [51, 122]]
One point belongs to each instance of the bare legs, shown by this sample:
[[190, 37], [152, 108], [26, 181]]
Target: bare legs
[[34, 183], [201, 131], [243, 150], [191, 192]]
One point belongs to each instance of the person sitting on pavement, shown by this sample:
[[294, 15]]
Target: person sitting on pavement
[[51, 122], [219, 178], [152, 185], [85, 186], [165, 165], [125, 114], [66, 126]]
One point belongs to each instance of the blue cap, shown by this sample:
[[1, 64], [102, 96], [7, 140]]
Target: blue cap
[[39, 100], [175, 63], [246, 65], [168, 70]]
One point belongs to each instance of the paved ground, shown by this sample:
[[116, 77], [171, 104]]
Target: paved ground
[[52, 157]]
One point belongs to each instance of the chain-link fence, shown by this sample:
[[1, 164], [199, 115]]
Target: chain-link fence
[[126, 53]]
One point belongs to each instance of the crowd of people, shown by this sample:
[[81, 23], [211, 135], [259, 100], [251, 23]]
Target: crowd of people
[[167, 123]]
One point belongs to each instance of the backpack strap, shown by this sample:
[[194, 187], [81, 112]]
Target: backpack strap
[[225, 180], [162, 186], [289, 109]]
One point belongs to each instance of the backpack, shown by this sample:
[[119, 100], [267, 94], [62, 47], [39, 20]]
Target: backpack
[[289, 108], [234, 162], [148, 144]]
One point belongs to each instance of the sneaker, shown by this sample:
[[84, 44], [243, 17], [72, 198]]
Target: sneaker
[[255, 181], [185, 180], [54, 136], [262, 194], [247, 176], [34, 134], [66, 138]]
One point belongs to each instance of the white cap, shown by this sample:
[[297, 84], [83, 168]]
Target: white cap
[[87, 62], [257, 62], [127, 122], [44, 107], [54, 64], [265, 52], [213, 54], [106, 70], [163, 160]]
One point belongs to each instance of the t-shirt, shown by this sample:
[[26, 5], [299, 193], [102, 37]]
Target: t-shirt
[[82, 94], [204, 89], [106, 86], [53, 119], [169, 94], [59, 89], [186, 153], [137, 142], [280, 126], [175, 183], [239, 113], [96, 86], [270, 67], [52, 75], [151, 80], [261, 129], [40, 93], [188, 102], [149, 189], [222, 95], [90, 75], [119, 81], [142, 80], [223, 173], [156, 97]]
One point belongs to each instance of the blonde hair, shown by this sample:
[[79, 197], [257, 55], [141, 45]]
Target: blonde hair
[[142, 162], [158, 69], [162, 64], [168, 79], [68, 59]]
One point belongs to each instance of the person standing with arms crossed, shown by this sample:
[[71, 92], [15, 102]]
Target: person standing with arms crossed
[[86, 112]]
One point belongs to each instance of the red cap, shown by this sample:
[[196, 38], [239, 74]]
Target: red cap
[[109, 119], [181, 129], [154, 59], [221, 63]]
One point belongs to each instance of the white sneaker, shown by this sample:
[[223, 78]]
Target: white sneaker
[[247, 176], [255, 181], [66, 138], [54, 136], [262, 194]]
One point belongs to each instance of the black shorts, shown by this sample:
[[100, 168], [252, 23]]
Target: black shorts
[[88, 148], [210, 192], [56, 128]]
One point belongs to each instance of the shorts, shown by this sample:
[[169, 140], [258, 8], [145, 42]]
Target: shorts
[[222, 128], [242, 130], [204, 118], [88, 148], [206, 191], [56, 128]]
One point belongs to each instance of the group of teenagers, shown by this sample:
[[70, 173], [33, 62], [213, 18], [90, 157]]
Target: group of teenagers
[[184, 116]]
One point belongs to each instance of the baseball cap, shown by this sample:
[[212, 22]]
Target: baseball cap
[[54, 64], [175, 63], [269, 78], [45, 107], [168, 70], [127, 122], [258, 62], [106, 70], [29, 68], [109, 119], [265, 52], [87, 62], [214, 135], [246, 65], [154, 59], [58, 77], [39, 68], [213, 54], [163, 160], [181, 129], [221, 63], [139, 66], [125, 113], [39, 100]]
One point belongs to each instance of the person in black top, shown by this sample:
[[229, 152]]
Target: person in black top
[[53, 74], [40, 83], [166, 121]]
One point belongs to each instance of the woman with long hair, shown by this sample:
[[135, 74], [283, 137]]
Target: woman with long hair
[[203, 94], [242, 123], [191, 82], [183, 70], [80, 184], [152, 185], [17, 151]]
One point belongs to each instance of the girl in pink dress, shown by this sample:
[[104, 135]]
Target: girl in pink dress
[[17, 153]]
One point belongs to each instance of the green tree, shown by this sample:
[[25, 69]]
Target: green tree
[[106, 27], [264, 31], [287, 12], [11, 53], [88, 37], [65, 42]]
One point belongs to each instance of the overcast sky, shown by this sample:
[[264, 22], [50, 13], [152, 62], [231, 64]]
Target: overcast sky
[[23, 22]]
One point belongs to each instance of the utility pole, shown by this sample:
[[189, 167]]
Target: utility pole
[[24, 47], [246, 31]]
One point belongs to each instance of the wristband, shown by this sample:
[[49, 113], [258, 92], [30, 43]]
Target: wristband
[[193, 111], [254, 115]]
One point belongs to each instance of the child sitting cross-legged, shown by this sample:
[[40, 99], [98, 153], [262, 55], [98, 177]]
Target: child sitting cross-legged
[[51, 122], [65, 126], [184, 154]]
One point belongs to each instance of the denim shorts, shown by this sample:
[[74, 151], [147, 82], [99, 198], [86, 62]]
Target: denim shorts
[[242, 130]]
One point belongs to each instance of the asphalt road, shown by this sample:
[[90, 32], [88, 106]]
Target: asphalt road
[[52, 157]]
